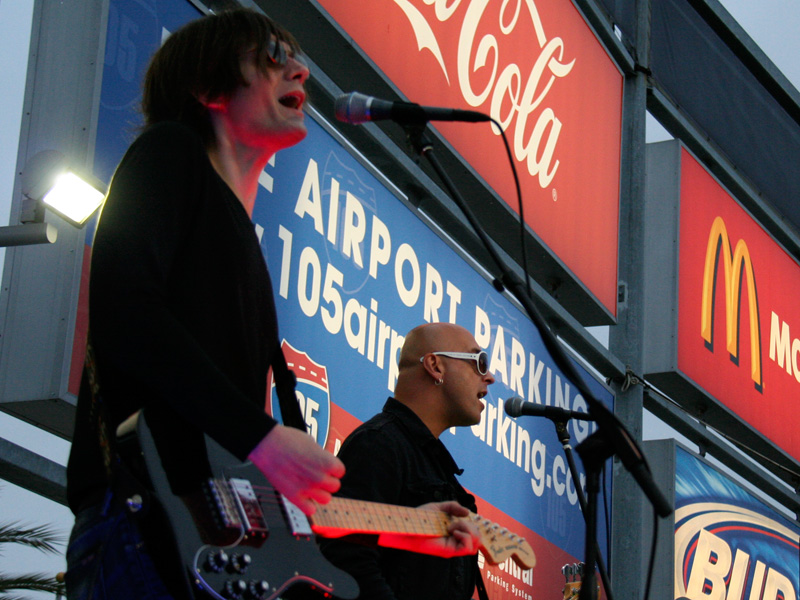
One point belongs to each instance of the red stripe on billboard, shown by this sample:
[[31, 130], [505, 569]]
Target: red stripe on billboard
[[81, 332], [538, 69], [738, 317]]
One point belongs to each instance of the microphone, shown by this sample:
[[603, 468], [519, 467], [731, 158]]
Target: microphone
[[517, 407], [355, 108]]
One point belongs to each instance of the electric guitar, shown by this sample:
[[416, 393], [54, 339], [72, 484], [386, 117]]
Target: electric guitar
[[574, 579], [238, 538], [572, 586]]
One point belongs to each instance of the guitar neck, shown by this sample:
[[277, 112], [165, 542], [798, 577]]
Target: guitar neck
[[345, 516]]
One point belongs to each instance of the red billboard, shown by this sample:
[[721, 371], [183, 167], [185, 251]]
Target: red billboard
[[738, 315], [536, 68]]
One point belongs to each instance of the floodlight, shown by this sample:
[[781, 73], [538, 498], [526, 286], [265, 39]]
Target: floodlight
[[73, 198], [49, 180]]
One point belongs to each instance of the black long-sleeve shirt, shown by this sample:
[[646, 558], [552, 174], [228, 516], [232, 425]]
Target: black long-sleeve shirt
[[394, 458], [182, 318]]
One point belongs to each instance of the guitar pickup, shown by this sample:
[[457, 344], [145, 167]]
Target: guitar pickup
[[298, 522], [255, 525]]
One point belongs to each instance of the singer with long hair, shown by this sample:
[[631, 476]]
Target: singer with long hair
[[182, 317]]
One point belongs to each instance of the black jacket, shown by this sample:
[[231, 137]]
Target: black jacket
[[395, 459], [182, 316]]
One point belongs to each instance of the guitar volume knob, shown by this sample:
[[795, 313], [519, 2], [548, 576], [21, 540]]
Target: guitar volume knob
[[258, 590], [216, 561], [239, 563], [234, 588]]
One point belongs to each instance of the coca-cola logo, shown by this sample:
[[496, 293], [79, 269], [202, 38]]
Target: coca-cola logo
[[489, 78], [538, 69]]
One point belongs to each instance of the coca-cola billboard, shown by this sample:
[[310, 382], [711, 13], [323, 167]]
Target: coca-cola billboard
[[537, 68]]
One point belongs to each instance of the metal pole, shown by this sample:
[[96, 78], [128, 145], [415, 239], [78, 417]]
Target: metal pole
[[628, 558]]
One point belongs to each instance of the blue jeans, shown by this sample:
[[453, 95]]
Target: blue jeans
[[107, 560]]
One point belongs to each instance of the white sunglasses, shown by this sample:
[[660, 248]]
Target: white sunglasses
[[481, 359]]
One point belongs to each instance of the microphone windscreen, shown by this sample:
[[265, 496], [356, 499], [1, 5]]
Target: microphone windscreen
[[352, 108], [513, 406]]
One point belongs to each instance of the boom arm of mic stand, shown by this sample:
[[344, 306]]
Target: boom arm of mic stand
[[613, 430]]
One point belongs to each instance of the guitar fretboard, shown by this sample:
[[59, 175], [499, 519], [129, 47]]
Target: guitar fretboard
[[344, 516]]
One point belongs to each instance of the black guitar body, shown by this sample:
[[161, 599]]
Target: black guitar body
[[236, 537]]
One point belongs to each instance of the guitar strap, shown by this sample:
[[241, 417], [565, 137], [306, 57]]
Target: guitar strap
[[479, 584], [285, 382]]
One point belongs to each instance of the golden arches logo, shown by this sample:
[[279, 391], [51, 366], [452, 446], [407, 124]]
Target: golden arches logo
[[736, 264]]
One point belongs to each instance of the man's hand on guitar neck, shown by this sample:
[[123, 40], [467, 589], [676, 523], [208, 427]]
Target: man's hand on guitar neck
[[464, 538], [297, 467]]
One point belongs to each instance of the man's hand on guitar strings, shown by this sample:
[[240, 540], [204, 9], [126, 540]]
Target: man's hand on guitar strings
[[463, 539], [297, 467]]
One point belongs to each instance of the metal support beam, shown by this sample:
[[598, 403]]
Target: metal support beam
[[627, 338], [721, 450], [33, 472]]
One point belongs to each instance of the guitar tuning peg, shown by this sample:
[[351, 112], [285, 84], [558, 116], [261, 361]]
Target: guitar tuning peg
[[579, 569], [566, 570]]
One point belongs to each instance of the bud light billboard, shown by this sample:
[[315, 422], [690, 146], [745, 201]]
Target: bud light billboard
[[729, 545]]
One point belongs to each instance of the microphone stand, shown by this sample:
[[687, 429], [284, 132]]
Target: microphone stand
[[563, 436], [611, 437], [594, 451]]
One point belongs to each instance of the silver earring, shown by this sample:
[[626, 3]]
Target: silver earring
[[440, 382]]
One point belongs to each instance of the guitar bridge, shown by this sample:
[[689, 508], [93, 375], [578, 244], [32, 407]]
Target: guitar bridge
[[223, 504]]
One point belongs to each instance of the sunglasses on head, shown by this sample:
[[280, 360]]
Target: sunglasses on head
[[481, 359]]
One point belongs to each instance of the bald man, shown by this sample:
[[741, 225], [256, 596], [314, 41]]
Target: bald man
[[397, 458]]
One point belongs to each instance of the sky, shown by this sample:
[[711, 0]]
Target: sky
[[773, 25]]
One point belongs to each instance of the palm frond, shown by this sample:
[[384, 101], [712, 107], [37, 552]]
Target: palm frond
[[39, 582], [41, 537]]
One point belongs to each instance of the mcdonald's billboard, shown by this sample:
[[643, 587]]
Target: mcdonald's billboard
[[723, 318]]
